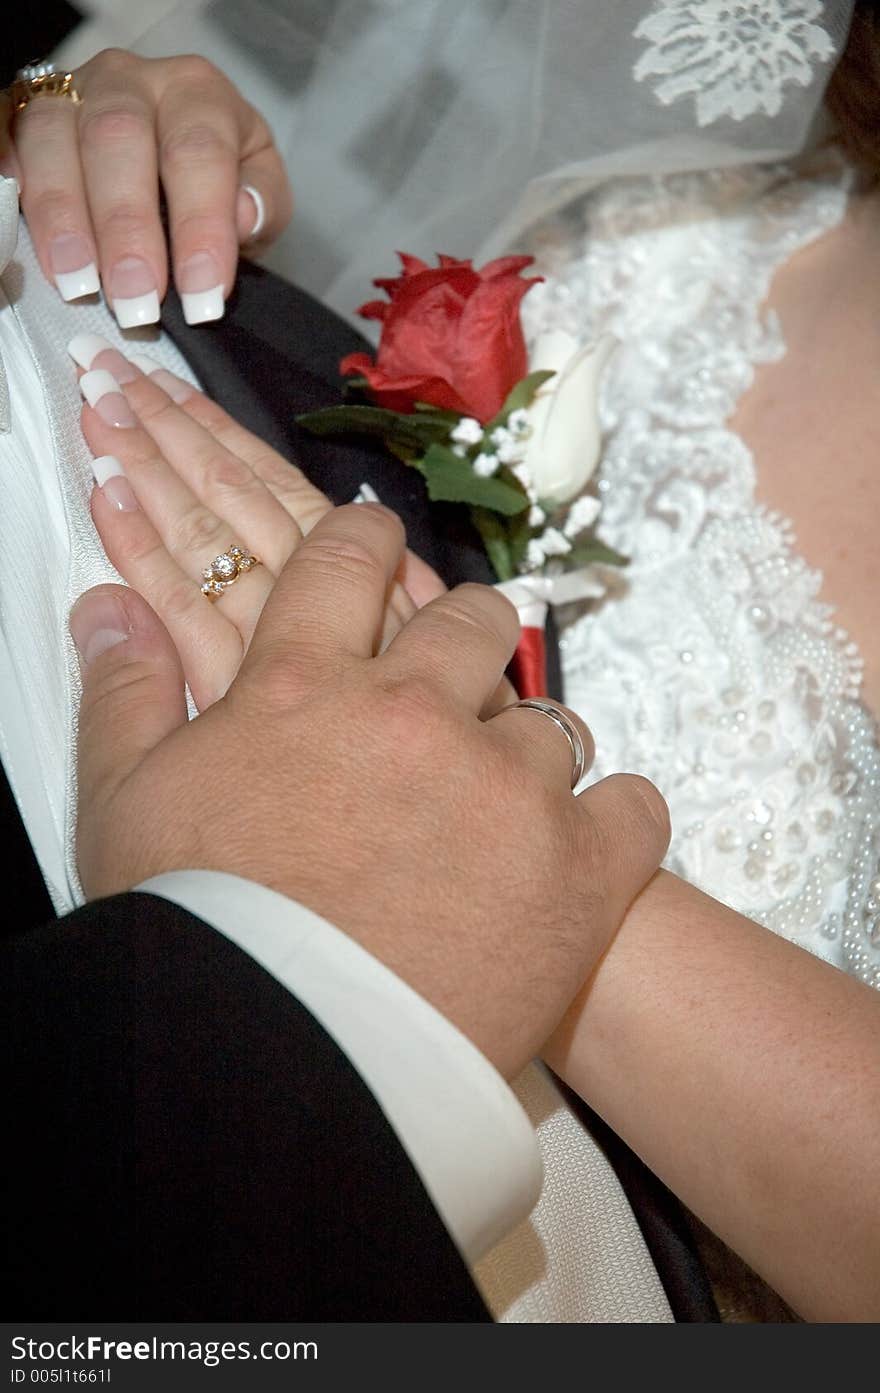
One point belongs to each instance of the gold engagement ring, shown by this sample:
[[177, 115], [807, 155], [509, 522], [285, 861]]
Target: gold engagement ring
[[225, 570], [41, 80]]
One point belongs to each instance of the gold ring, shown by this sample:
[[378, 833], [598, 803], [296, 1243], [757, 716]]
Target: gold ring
[[225, 570], [41, 80]]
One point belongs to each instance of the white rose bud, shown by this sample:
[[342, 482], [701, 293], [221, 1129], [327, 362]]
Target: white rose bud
[[563, 449]]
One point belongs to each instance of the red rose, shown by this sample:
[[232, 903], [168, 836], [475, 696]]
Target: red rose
[[451, 336]]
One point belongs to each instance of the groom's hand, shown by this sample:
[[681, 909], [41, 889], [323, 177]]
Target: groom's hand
[[367, 787]]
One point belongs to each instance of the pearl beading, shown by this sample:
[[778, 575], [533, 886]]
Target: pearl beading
[[711, 665]]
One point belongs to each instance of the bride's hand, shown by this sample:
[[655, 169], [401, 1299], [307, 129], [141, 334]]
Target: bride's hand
[[190, 482], [91, 174]]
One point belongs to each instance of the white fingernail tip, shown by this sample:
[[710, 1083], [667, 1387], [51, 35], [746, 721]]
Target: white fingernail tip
[[73, 284], [106, 467], [260, 207], [137, 309], [84, 348], [95, 385], [199, 306], [143, 363]]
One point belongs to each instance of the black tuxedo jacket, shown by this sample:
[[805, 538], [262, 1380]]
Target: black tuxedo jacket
[[185, 1140]]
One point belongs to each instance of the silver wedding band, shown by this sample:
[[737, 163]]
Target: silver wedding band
[[568, 728]]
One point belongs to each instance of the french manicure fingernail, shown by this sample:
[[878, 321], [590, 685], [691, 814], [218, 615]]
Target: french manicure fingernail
[[250, 212], [201, 289], [84, 348], [91, 351], [101, 390], [110, 478], [97, 622], [178, 389], [143, 363], [133, 293], [76, 274]]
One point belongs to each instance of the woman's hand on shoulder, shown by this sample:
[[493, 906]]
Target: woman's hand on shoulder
[[93, 176]]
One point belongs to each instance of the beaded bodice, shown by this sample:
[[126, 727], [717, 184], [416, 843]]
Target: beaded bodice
[[711, 665]]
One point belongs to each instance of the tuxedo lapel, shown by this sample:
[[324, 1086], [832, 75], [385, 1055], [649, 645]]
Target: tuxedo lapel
[[31, 903]]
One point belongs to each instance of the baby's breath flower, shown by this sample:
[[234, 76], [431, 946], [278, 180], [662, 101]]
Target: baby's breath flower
[[553, 543], [508, 447], [581, 515], [486, 465], [550, 543], [537, 516], [520, 472], [518, 423], [534, 556], [467, 432]]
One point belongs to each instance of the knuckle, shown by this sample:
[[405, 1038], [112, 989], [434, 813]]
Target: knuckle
[[132, 550], [52, 207], [470, 618], [197, 532], [115, 60], [214, 419], [484, 608], [411, 698], [114, 125], [646, 808], [123, 224], [151, 406], [416, 724], [345, 558], [275, 681], [42, 122], [193, 68], [223, 470], [306, 504], [175, 600], [632, 814], [198, 142]]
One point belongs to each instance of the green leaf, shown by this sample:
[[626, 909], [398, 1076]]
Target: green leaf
[[424, 408], [588, 553], [408, 453], [521, 532], [374, 420], [451, 479], [495, 540], [522, 394]]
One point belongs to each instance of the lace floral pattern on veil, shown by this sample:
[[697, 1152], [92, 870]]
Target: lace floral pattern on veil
[[712, 666], [734, 58]]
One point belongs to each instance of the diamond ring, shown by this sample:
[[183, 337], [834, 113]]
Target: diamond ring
[[225, 570], [41, 80]]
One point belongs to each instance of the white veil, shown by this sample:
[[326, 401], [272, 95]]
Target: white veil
[[451, 125]]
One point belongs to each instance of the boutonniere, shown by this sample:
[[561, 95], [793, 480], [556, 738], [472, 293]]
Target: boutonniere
[[512, 434]]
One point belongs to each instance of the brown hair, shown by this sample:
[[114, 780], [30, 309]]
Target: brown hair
[[853, 96]]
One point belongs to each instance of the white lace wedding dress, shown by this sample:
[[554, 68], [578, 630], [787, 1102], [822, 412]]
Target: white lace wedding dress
[[710, 665]]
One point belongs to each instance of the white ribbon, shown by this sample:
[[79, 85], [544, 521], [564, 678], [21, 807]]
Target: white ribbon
[[8, 241], [533, 594]]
